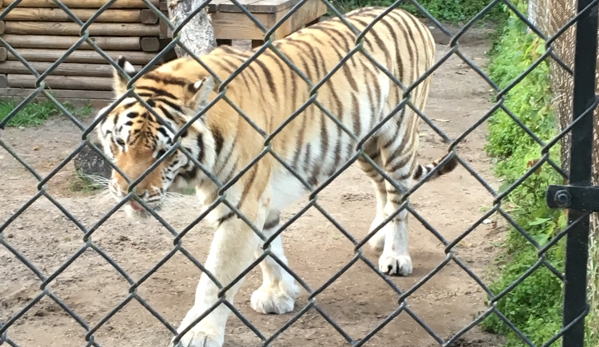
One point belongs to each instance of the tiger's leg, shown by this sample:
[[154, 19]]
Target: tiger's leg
[[278, 291], [378, 240], [231, 252], [398, 154]]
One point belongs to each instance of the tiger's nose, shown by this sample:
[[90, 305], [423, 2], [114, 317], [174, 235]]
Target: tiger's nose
[[123, 189]]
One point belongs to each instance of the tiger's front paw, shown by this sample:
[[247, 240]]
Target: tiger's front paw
[[199, 338], [272, 299], [395, 265]]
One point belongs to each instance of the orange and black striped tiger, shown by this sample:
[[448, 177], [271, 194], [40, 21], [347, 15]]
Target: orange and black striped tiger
[[268, 91]]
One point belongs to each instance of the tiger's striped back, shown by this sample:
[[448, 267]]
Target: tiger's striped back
[[359, 94]]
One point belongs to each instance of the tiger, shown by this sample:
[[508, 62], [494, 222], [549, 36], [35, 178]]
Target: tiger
[[358, 95]]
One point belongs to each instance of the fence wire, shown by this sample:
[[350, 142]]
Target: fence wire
[[403, 295]]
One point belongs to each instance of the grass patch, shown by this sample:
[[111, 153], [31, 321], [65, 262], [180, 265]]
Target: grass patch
[[82, 183], [35, 113], [534, 306]]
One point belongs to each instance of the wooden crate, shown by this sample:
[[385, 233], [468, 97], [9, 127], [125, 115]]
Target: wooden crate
[[231, 24], [42, 33]]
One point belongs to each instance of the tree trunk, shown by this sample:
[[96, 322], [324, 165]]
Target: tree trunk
[[198, 34]]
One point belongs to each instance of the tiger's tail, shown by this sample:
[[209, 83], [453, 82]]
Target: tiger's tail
[[422, 171]]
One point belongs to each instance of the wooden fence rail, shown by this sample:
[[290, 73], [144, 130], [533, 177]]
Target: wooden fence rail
[[42, 33]]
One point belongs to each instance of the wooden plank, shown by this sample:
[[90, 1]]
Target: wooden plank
[[3, 53], [97, 99], [2, 27], [310, 11], [99, 29], [3, 81], [237, 26], [82, 3], [87, 57], [64, 69], [254, 6], [65, 42], [61, 82], [273, 6], [234, 25], [58, 15], [228, 6]]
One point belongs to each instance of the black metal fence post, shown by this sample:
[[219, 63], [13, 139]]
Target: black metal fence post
[[575, 301]]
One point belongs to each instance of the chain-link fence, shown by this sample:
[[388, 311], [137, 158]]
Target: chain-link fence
[[209, 313]]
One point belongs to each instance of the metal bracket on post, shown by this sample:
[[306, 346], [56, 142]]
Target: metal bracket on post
[[577, 198]]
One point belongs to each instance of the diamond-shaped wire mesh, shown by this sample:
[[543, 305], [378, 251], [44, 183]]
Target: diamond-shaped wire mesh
[[95, 329]]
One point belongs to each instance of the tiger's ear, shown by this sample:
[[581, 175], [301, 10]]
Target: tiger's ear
[[119, 82], [199, 93]]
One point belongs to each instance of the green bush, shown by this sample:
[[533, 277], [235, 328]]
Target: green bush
[[443, 10], [534, 306]]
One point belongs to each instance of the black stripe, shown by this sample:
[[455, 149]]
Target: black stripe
[[397, 53], [248, 185], [307, 158], [404, 31], [170, 104], [356, 115], [375, 35], [223, 67], [391, 140], [156, 91], [166, 113], [267, 75], [232, 172], [341, 114], [166, 79], [227, 49], [282, 68], [299, 45], [300, 138], [200, 141], [162, 131], [218, 140], [190, 174], [225, 218], [421, 36], [400, 164], [128, 105], [228, 156]]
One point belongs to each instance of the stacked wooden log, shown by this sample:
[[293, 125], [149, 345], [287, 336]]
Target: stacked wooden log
[[41, 32]]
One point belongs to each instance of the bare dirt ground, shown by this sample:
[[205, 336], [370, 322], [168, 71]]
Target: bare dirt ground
[[358, 301]]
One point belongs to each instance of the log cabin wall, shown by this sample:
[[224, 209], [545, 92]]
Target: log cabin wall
[[41, 33]]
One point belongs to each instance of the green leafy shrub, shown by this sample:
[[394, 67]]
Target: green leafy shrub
[[534, 306]]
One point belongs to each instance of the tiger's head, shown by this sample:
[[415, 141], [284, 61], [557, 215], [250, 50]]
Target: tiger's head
[[134, 139]]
